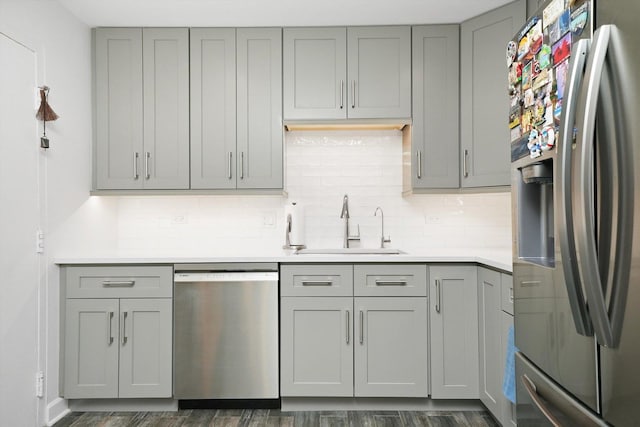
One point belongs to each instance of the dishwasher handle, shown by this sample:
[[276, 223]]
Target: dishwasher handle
[[206, 277]]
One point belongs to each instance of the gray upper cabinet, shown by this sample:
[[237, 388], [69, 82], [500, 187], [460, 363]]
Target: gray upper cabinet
[[165, 54], [118, 86], [213, 107], [435, 131], [315, 73], [454, 332], [379, 71], [356, 72], [142, 70], [484, 95], [259, 117]]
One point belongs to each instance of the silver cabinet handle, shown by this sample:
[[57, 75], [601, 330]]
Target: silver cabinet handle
[[109, 329], [124, 328], [341, 94], [419, 168], [316, 283], [348, 327], [136, 175], [230, 165], [118, 283], [242, 165], [353, 94], [511, 295], [438, 296], [465, 172], [391, 283], [540, 404], [361, 326], [147, 172]]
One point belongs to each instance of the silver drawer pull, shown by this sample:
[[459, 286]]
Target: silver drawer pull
[[391, 283], [531, 283], [511, 295], [316, 283], [118, 283]]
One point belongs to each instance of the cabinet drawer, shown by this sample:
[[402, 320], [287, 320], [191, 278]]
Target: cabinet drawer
[[390, 280], [118, 281], [316, 280], [506, 284]]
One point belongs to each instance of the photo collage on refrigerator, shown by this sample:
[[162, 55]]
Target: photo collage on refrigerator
[[538, 63]]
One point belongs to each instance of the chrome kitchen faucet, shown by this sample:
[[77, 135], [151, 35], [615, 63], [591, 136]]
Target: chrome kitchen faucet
[[345, 215]]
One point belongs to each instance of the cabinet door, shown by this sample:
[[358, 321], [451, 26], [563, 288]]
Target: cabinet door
[[118, 62], [213, 107], [260, 130], [485, 138], [315, 73], [316, 342], [508, 416], [435, 131], [391, 347], [454, 332], [145, 347], [379, 72], [91, 348], [489, 318], [166, 108]]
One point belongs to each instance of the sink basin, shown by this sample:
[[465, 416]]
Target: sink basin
[[352, 251]]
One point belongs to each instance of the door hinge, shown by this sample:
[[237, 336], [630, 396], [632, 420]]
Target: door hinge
[[40, 384], [39, 241]]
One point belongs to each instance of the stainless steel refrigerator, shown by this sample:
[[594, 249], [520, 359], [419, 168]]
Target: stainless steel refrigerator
[[574, 73]]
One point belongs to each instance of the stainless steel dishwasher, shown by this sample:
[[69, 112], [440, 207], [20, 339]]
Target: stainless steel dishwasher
[[226, 331]]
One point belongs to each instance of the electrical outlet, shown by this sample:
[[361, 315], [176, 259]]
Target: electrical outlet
[[268, 219], [180, 219]]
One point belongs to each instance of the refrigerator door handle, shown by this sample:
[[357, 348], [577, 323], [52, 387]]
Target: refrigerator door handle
[[615, 160], [566, 233], [537, 400]]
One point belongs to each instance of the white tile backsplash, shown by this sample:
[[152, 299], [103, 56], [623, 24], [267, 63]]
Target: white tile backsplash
[[320, 167]]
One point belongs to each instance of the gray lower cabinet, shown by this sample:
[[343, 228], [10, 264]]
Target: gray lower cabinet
[[259, 134], [494, 323], [489, 318], [335, 345], [142, 108], [114, 345], [435, 132], [454, 331], [485, 136], [316, 338], [355, 72], [390, 347]]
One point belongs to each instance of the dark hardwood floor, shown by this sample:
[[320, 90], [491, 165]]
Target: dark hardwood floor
[[275, 417]]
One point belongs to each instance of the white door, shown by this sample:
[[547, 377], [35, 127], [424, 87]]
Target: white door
[[19, 213]]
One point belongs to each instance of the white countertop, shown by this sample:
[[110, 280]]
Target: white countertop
[[496, 258]]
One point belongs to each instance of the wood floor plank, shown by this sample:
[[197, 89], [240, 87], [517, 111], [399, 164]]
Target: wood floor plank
[[277, 418]]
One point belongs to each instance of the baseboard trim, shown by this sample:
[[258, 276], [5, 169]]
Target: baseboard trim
[[123, 405], [56, 410], [375, 403]]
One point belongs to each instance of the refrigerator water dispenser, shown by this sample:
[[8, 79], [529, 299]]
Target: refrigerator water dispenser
[[535, 213]]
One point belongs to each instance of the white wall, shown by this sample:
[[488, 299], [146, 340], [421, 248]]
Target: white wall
[[72, 222], [320, 169]]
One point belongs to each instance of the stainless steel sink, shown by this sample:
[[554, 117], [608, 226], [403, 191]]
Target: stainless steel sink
[[351, 251]]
